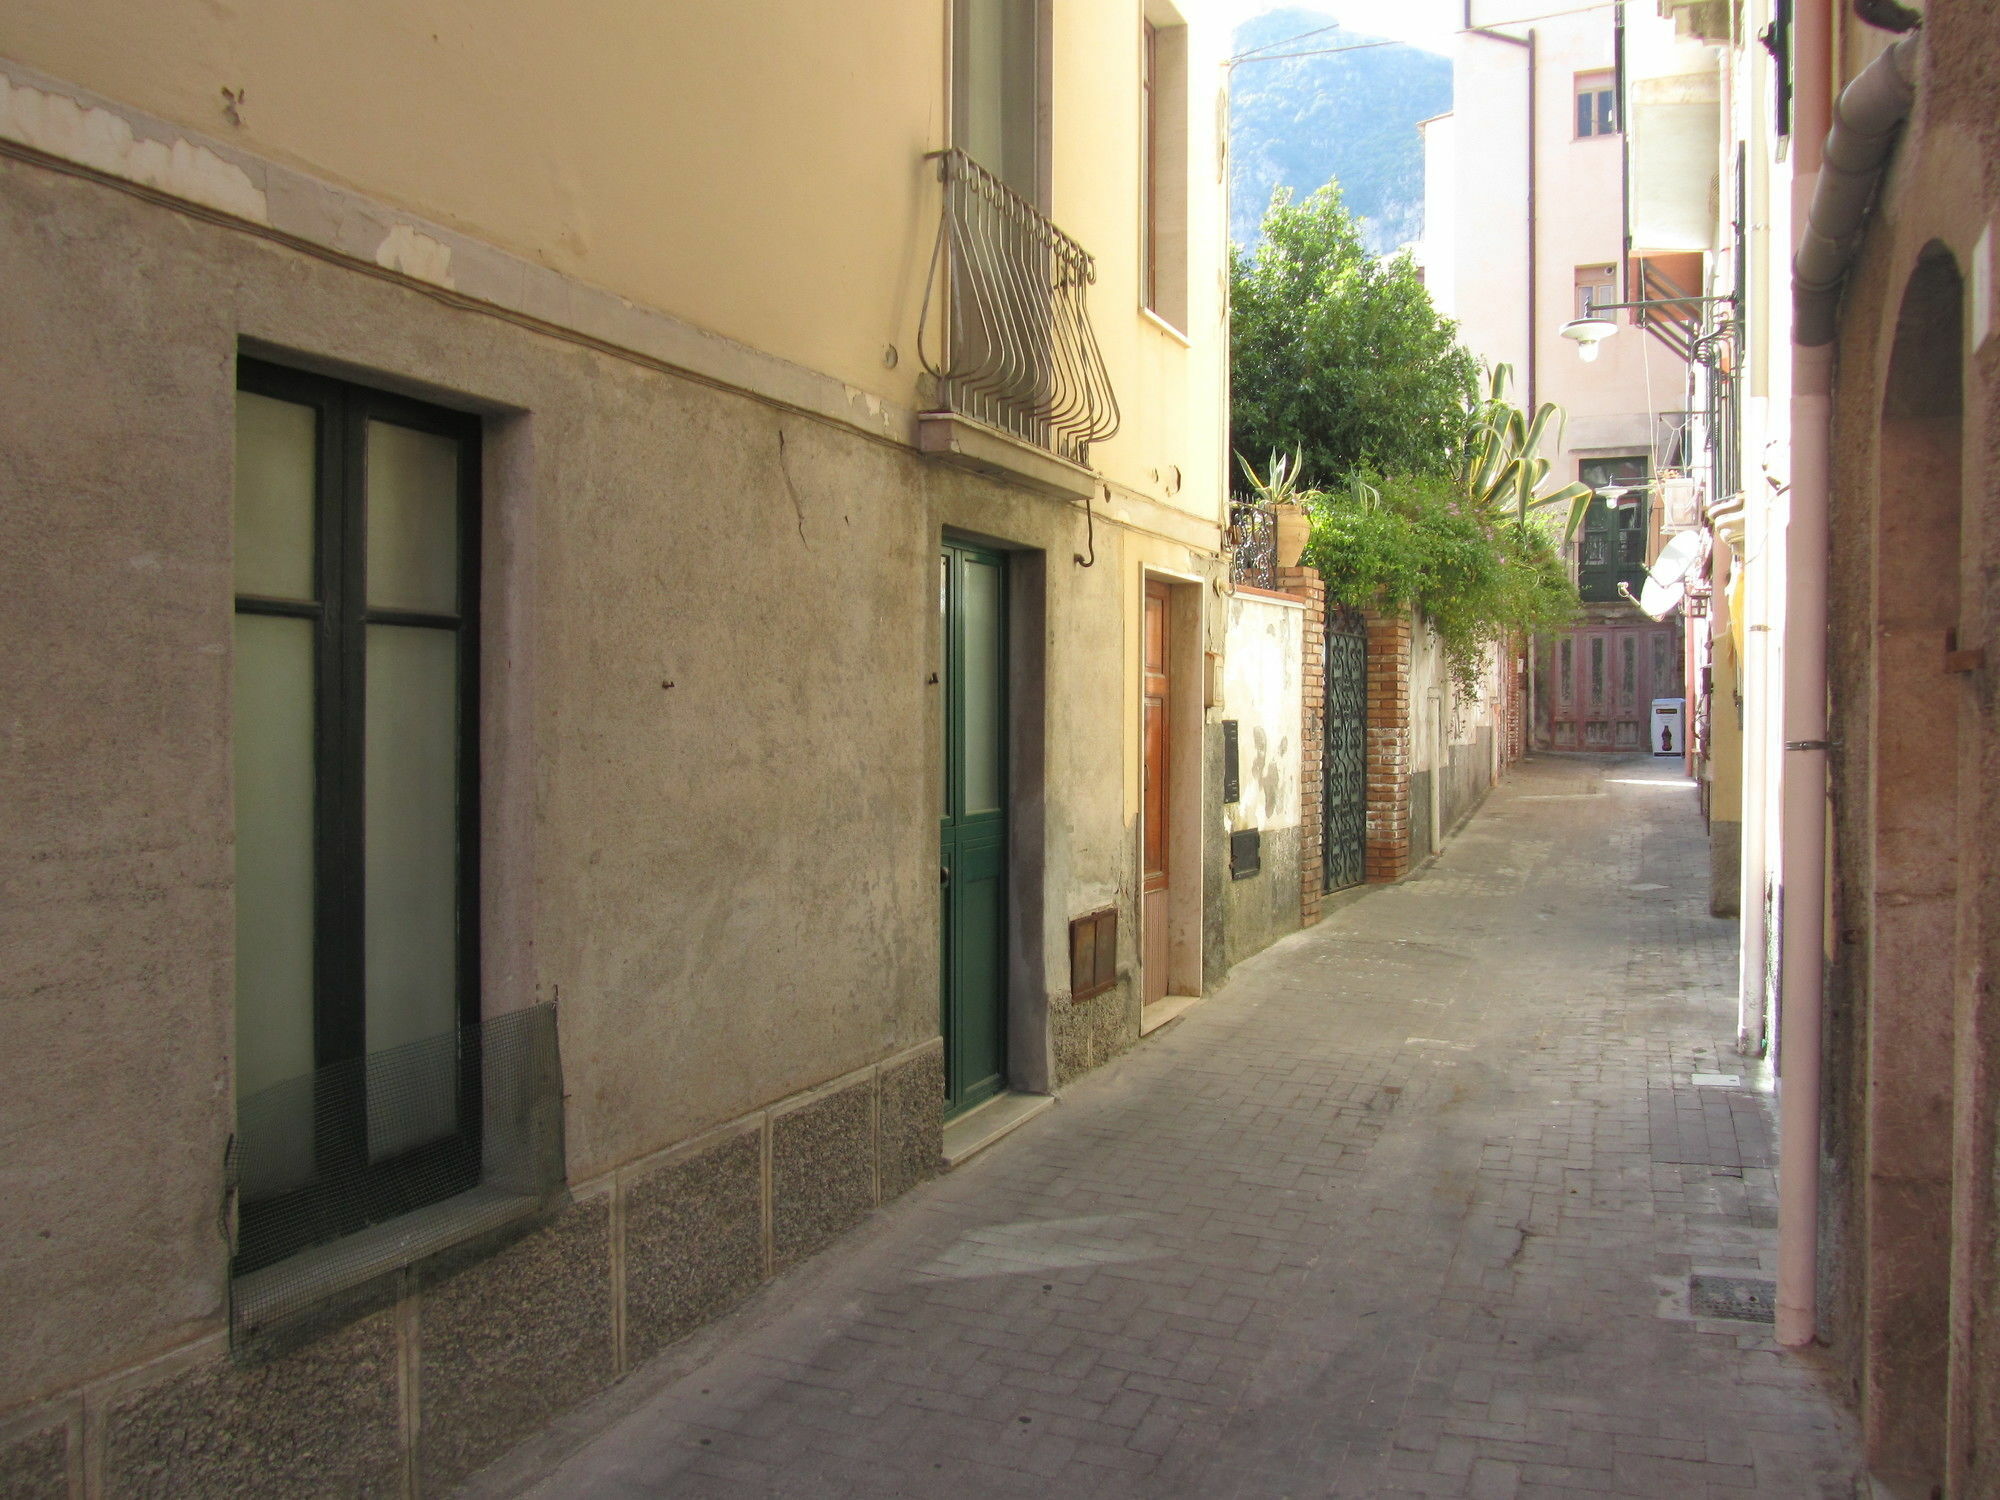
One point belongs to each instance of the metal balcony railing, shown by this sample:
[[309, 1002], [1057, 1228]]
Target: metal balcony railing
[[1004, 329]]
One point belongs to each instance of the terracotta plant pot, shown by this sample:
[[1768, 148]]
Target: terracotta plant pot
[[1294, 529]]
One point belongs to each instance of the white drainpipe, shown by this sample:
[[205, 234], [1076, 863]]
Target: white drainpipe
[[1757, 681], [1832, 189]]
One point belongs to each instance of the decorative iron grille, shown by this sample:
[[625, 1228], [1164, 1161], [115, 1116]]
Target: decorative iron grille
[[1253, 544], [1344, 751], [1012, 344]]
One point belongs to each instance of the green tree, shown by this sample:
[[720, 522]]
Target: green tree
[[1340, 356]]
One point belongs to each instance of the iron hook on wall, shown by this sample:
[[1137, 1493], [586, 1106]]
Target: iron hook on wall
[[1090, 531]]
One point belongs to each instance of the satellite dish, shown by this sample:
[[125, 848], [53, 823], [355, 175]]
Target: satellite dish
[[1658, 599], [1666, 580], [1677, 558]]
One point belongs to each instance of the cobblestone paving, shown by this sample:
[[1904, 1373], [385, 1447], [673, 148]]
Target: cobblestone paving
[[1408, 1207]]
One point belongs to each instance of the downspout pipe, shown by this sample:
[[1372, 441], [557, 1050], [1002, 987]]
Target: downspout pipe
[[1870, 112], [1833, 188]]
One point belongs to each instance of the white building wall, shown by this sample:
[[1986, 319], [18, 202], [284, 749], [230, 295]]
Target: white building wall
[[1579, 221]]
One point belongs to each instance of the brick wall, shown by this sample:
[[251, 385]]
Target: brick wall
[[1306, 584], [1388, 850]]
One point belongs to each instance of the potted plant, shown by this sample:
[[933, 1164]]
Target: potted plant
[[1278, 491]]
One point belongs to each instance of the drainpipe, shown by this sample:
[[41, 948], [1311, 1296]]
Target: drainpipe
[[1527, 42], [1832, 189]]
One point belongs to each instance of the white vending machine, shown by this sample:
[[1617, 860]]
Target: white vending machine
[[1666, 725]]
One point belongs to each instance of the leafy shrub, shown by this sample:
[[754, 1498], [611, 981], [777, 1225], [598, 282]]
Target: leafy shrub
[[1416, 542]]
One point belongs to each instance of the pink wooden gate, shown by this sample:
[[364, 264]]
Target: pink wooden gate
[[1599, 683]]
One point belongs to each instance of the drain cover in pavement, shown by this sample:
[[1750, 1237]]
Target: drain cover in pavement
[[1747, 1299]]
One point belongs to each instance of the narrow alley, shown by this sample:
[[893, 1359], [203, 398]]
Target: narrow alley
[[1411, 1206]]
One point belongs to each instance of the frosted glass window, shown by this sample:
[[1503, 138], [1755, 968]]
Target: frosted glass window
[[411, 876], [276, 444], [412, 520], [985, 687], [274, 892]]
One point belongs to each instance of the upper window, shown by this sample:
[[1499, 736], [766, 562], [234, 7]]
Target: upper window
[[356, 575], [1596, 286], [1165, 175], [1596, 103]]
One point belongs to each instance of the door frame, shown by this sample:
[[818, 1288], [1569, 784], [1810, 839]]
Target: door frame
[[1025, 1002], [1187, 715]]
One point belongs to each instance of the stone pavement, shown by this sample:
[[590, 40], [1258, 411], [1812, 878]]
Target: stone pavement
[[1410, 1206]]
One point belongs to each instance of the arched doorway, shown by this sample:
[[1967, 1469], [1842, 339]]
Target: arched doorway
[[1913, 886]]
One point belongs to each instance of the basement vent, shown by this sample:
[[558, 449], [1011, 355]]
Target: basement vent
[[1246, 853], [1093, 953]]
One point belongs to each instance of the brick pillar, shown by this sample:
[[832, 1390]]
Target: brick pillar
[[1388, 851], [1306, 584]]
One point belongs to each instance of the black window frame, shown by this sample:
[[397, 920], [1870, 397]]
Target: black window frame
[[348, 1191]]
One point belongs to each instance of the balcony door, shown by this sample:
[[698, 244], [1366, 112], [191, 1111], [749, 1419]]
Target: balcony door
[[996, 89]]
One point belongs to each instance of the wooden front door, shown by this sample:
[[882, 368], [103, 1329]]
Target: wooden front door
[[972, 824], [1153, 809]]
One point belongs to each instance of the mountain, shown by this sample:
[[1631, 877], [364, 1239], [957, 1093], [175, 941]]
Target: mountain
[[1350, 116]]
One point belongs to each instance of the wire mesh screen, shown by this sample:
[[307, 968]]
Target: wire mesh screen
[[367, 1165]]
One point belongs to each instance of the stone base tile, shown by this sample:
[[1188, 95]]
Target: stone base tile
[[321, 1420], [694, 1241], [1089, 1033], [511, 1341], [35, 1465], [822, 1170], [910, 1122]]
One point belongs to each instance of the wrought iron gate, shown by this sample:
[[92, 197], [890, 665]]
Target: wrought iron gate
[[1344, 750]]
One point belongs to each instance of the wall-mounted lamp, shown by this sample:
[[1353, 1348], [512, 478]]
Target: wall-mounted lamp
[[1588, 333], [1590, 330]]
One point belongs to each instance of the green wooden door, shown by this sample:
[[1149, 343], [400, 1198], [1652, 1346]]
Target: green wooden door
[[972, 853]]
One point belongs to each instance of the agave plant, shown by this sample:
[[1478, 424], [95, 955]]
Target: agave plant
[[1279, 483], [1503, 472]]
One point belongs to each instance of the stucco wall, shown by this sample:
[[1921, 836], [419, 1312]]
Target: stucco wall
[[709, 820], [1452, 757], [758, 171], [1262, 691]]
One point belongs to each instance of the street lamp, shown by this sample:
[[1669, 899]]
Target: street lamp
[[1590, 330]]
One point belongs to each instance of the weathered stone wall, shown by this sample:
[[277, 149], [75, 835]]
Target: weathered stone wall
[[481, 1349], [1910, 1230]]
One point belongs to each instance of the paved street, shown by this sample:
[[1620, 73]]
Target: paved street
[[1409, 1207]]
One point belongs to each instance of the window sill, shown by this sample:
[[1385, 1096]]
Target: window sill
[[1165, 327], [973, 445], [277, 1294]]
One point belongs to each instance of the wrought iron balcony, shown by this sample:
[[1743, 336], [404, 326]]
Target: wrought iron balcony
[[1253, 543], [1004, 331]]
